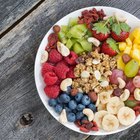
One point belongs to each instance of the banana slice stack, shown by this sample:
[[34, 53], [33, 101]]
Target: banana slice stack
[[112, 113]]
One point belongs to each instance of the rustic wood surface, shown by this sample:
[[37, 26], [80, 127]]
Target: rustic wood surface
[[18, 93]]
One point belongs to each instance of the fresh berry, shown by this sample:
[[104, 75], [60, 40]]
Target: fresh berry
[[67, 109], [64, 98], [74, 91], [46, 67], [74, 111], [70, 59], [72, 104], [52, 91], [78, 97], [50, 78], [70, 74], [120, 32], [92, 107], [52, 102], [58, 82], [58, 108], [71, 117], [68, 89], [54, 56], [79, 115], [109, 47], [100, 31], [85, 100], [61, 70], [93, 96], [58, 100], [52, 40], [80, 107], [83, 129]]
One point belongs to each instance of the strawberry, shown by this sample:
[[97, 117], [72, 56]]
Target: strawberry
[[120, 31], [100, 31], [109, 47]]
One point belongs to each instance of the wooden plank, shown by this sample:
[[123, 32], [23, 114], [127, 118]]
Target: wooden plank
[[12, 10], [18, 93]]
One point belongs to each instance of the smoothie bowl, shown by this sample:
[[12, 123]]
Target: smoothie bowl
[[87, 70]]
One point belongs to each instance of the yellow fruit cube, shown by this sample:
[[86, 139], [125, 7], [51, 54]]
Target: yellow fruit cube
[[136, 54], [122, 46], [131, 37], [129, 42], [135, 46], [127, 50], [120, 63], [136, 32], [138, 47], [136, 40]]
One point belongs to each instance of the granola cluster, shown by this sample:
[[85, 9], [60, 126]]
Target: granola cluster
[[92, 72]]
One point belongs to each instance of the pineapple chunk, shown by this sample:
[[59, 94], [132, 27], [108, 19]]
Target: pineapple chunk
[[129, 42], [136, 32], [120, 63], [131, 37], [136, 54], [127, 50], [122, 46]]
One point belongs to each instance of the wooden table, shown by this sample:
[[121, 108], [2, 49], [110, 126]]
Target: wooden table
[[23, 24]]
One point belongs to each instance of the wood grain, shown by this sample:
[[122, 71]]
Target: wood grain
[[12, 10], [18, 93]]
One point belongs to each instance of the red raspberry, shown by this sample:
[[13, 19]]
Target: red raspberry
[[61, 70], [52, 91], [50, 78], [70, 59], [54, 56], [46, 67], [58, 82], [70, 74]]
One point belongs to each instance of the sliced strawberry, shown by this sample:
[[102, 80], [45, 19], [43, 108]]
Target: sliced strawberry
[[100, 31], [109, 47], [120, 31]]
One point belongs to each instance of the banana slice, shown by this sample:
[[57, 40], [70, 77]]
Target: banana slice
[[99, 117], [114, 105], [137, 94], [44, 57], [101, 107], [104, 97], [126, 116], [110, 122]]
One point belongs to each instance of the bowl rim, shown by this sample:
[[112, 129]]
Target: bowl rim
[[36, 71]]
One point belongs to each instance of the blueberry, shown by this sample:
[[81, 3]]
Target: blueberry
[[80, 107], [92, 107], [71, 117], [64, 98], [72, 104], [84, 118], [68, 89], [68, 109], [74, 111], [58, 100], [79, 115], [58, 108], [85, 100], [52, 102], [78, 97]]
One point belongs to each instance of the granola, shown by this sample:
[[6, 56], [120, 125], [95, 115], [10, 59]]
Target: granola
[[92, 62]]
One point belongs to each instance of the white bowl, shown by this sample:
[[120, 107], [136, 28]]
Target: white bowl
[[131, 20]]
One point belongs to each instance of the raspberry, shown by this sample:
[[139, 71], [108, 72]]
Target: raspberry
[[58, 82], [61, 70], [70, 59], [52, 91], [54, 56], [50, 78], [70, 74], [46, 67]]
